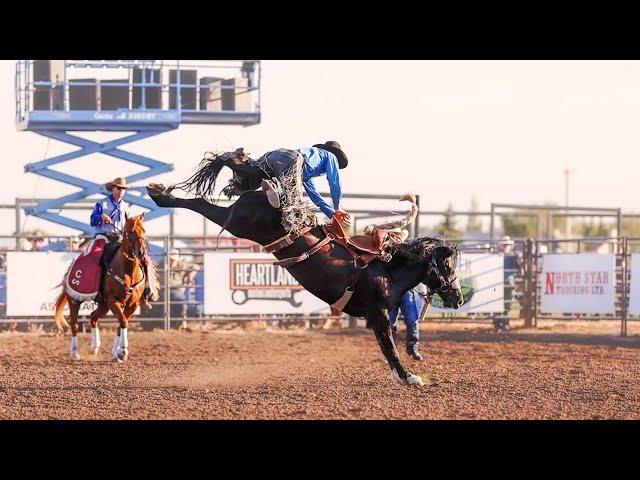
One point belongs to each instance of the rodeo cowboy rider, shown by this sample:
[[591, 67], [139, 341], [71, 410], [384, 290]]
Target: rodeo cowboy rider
[[108, 219], [290, 170]]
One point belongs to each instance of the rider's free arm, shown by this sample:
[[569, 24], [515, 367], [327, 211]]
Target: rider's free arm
[[317, 199], [96, 215], [333, 177]]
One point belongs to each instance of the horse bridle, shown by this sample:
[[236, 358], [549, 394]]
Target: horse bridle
[[443, 283], [140, 253]]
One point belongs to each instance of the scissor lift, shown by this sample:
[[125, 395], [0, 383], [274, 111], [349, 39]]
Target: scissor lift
[[146, 97]]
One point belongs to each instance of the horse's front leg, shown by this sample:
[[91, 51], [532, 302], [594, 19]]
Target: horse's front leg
[[95, 331], [382, 331], [128, 312], [122, 350]]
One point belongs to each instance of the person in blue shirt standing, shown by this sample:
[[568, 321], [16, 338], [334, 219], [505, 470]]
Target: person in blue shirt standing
[[292, 170], [411, 305], [108, 220]]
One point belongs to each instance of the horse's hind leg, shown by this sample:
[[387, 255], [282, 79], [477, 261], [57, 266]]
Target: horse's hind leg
[[95, 331], [74, 308]]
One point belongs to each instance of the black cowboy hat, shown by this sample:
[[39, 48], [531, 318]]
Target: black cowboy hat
[[334, 147]]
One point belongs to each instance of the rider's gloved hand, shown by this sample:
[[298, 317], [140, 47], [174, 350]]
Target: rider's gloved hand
[[343, 217], [106, 219]]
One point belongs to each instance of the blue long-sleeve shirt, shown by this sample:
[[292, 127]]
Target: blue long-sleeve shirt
[[114, 210], [318, 162]]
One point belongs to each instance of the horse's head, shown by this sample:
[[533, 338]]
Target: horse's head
[[134, 236], [441, 275], [439, 260]]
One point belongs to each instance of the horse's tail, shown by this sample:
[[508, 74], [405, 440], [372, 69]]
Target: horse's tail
[[403, 222], [61, 301], [203, 182]]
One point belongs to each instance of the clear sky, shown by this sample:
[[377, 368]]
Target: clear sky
[[503, 131]]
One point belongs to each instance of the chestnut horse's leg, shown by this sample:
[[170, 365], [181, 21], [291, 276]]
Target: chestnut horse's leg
[[74, 308], [382, 331], [116, 343], [95, 331], [121, 352], [129, 310]]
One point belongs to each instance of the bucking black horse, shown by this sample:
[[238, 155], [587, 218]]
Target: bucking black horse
[[325, 268]]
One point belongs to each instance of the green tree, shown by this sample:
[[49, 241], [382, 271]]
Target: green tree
[[519, 226], [591, 229], [631, 227], [474, 224], [447, 228]]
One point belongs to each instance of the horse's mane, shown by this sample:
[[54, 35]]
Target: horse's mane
[[421, 249], [137, 223]]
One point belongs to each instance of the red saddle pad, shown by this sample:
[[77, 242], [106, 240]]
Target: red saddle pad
[[83, 280]]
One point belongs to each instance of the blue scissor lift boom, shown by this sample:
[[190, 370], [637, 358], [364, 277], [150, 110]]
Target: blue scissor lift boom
[[155, 97]]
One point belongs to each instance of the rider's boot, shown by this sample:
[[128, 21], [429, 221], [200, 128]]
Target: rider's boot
[[272, 195]]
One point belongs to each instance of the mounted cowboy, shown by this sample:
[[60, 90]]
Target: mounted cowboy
[[290, 170], [108, 220]]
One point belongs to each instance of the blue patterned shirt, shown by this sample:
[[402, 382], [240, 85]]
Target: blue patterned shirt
[[318, 162], [114, 210]]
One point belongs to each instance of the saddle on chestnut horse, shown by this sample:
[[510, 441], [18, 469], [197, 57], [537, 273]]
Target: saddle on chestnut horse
[[83, 279]]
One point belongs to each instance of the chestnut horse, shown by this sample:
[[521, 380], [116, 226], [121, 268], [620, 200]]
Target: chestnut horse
[[121, 292]]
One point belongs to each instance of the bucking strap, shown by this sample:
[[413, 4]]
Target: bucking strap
[[289, 262], [285, 241]]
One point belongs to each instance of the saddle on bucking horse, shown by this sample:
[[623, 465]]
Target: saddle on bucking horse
[[364, 249]]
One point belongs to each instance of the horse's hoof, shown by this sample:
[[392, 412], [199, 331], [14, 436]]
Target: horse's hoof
[[75, 356], [159, 189], [411, 379], [415, 380], [123, 355]]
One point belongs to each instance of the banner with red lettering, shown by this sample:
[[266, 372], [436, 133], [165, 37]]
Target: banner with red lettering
[[578, 283]]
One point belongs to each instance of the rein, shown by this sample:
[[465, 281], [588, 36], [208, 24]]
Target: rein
[[128, 289]]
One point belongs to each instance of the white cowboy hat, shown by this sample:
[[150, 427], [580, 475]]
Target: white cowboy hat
[[118, 182]]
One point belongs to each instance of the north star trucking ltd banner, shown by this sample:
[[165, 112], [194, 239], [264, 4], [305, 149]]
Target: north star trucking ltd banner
[[578, 283], [249, 283], [32, 279]]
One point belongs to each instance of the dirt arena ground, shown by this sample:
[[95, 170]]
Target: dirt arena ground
[[470, 373]]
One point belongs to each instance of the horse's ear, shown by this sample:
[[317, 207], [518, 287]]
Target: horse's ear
[[142, 216], [126, 217]]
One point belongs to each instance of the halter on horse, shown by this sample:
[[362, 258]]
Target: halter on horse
[[121, 292]]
